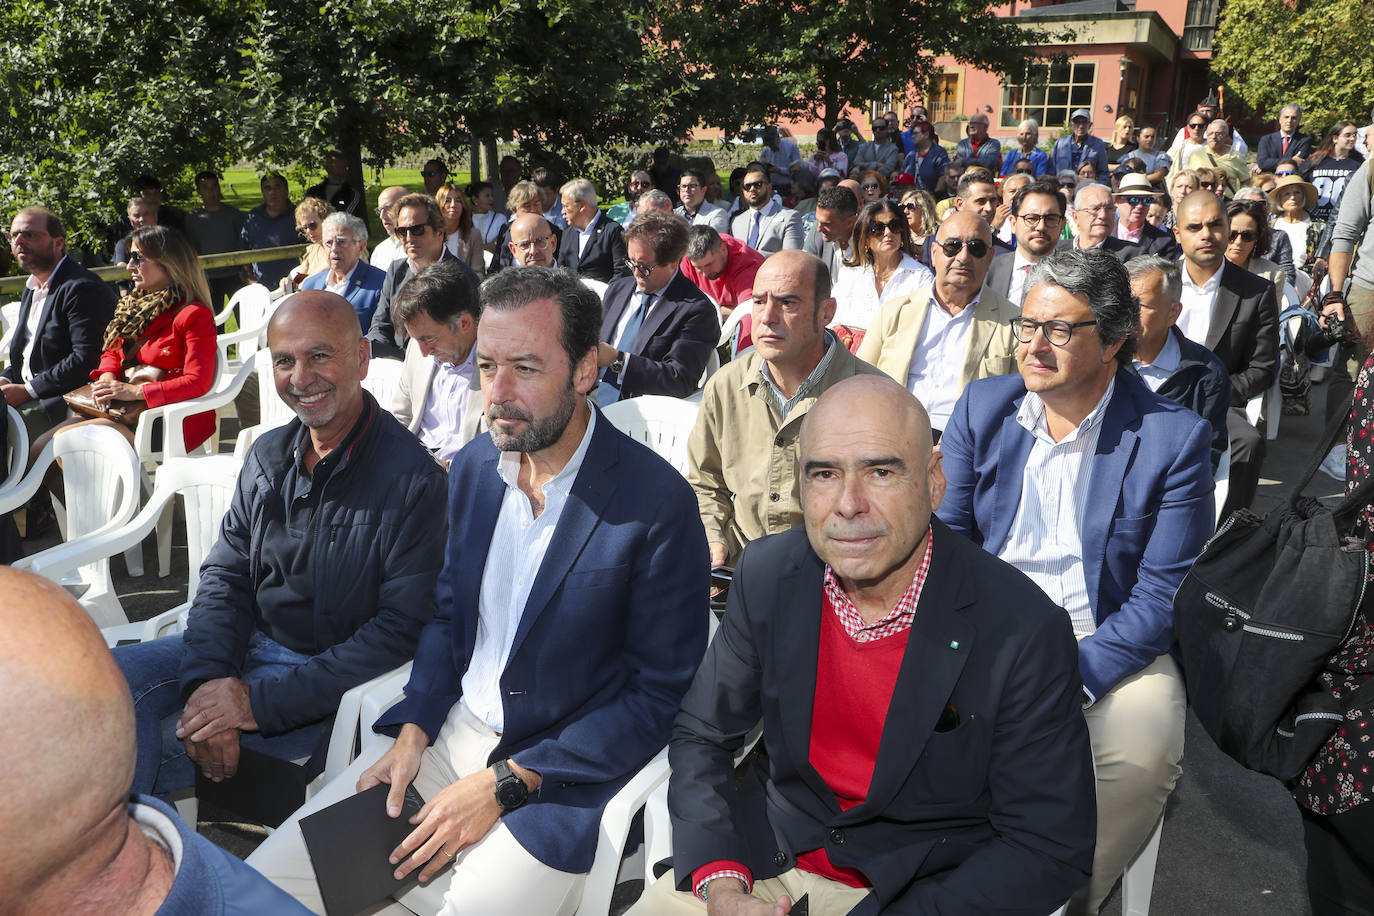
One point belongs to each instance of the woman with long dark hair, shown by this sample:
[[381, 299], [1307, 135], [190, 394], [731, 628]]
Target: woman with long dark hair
[[881, 265]]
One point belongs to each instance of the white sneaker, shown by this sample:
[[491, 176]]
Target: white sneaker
[[1333, 465]]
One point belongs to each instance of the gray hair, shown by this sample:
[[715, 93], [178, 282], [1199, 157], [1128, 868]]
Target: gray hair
[[1030, 122], [351, 224], [654, 198], [1088, 187], [701, 241], [1222, 122], [442, 291], [1293, 107], [1170, 274], [1250, 193], [1101, 279], [578, 307], [579, 189]]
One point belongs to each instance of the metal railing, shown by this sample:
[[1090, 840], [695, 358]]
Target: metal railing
[[14, 286]]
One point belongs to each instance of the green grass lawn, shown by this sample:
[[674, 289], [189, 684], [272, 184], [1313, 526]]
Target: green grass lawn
[[240, 187]]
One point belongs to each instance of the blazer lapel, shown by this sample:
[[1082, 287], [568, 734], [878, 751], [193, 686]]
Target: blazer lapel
[[483, 510], [979, 334], [905, 336], [1013, 450], [797, 647], [660, 314], [591, 491], [615, 307], [1224, 308], [1116, 445]]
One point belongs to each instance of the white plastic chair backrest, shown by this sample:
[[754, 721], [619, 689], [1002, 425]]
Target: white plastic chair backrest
[[1303, 283], [207, 486], [732, 320], [100, 472], [596, 286], [254, 304], [9, 318], [1222, 480], [272, 410], [16, 448], [663, 424], [383, 375]]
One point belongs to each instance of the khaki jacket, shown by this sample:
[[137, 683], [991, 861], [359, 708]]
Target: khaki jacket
[[743, 456], [891, 341]]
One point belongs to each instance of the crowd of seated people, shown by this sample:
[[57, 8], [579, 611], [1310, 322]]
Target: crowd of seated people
[[931, 369]]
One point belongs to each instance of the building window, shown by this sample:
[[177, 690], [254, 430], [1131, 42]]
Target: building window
[[946, 99], [1047, 93], [1199, 25]]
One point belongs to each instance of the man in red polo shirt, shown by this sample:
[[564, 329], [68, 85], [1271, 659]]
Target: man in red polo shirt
[[920, 699], [723, 267]]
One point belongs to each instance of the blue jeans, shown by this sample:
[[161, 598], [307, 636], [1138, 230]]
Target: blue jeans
[[152, 670]]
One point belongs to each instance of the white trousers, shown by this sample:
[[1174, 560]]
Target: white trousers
[[493, 877]]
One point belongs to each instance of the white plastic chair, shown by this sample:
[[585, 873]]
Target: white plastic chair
[[663, 424], [253, 304], [206, 486], [16, 450], [1269, 406], [596, 286], [272, 410], [9, 319], [383, 375], [101, 476], [1137, 881]]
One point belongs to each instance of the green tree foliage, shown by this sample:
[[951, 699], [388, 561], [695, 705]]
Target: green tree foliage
[[754, 60], [1320, 55]]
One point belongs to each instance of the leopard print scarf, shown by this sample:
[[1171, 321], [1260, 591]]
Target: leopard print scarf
[[135, 313]]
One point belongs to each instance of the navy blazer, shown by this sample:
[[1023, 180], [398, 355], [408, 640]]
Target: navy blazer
[[605, 256], [671, 350], [71, 332], [613, 630], [1151, 496], [1270, 149], [994, 814], [364, 290]]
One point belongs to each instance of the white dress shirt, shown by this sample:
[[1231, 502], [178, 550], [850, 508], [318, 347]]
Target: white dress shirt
[[1020, 269], [1156, 373], [585, 235], [442, 421], [40, 299], [856, 291], [341, 287], [518, 545], [1195, 321], [937, 362], [387, 251], [1046, 537]]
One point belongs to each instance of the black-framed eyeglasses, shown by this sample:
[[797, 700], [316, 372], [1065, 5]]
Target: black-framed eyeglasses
[[753, 185], [1143, 200], [642, 270], [1034, 219], [418, 230], [1245, 235], [977, 248], [136, 258], [689, 186], [878, 227], [1057, 331]]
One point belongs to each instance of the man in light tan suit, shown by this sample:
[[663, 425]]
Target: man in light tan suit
[[941, 337]]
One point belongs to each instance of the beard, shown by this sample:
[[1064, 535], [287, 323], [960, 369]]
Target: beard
[[541, 432]]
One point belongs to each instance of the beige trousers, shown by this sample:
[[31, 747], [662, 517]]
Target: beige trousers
[[493, 877], [1136, 732], [824, 897]]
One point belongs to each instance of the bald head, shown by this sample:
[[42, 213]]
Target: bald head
[[328, 312], [1198, 203], [871, 402], [853, 186], [67, 752], [385, 201], [319, 359], [532, 241]]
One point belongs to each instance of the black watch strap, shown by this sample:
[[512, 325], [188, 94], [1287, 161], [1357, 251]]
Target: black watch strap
[[511, 791]]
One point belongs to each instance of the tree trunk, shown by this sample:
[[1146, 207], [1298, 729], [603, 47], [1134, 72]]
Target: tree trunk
[[474, 159], [490, 156], [352, 148]]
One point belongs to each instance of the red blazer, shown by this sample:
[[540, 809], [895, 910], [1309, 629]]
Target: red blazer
[[181, 341]]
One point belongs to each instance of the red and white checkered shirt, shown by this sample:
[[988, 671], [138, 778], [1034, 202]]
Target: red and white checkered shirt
[[898, 620]]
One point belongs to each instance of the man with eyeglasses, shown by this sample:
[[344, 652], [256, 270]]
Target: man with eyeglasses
[[1189, 137], [434, 174], [335, 188], [1235, 314], [1100, 491], [696, 209], [420, 227], [658, 330], [271, 224], [881, 154], [344, 237], [389, 249], [1133, 199], [593, 246], [723, 267], [1079, 146], [949, 332], [1094, 213], [1037, 216], [977, 148], [765, 224], [531, 241]]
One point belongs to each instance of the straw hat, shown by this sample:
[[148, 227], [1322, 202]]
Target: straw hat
[[1293, 181], [1134, 184]]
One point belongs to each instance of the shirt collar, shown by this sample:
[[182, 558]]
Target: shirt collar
[[1031, 415], [897, 620], [1169, 355], [508, 467], [32, 282], [1212, 282], [786, 404], [338, 457]]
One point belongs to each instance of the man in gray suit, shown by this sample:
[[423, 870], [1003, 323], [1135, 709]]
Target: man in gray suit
[[765, 225], [837, 210], [696, 209]]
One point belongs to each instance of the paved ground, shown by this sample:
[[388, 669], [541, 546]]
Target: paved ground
[[1232, 841]]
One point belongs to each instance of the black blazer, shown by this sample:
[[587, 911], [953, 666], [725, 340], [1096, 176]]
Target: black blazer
[[1269, 151], [1244, 333], [389, 341], [992, 813], [605, 256], [670, 352], [70, 333], [1154, 240], [503, 258], [1120, 248]]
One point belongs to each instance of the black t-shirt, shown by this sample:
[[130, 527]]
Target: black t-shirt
[[1329, 177], [1114, 153]]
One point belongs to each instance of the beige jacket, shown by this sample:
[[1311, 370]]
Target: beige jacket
[[743, 456], [891, 341], [412, 390]]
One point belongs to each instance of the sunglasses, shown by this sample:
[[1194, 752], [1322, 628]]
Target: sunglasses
[[871, 186], [753, 185], [418, 230], [1198, 126], [1138, 201], [135, 259], [1245, 235], [1209, 185], [977, 248], [308, 227], [1283, 174], [878, 227], [910, 207]]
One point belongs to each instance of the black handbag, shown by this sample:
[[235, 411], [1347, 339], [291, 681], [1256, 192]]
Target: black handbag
[[1264, 606]]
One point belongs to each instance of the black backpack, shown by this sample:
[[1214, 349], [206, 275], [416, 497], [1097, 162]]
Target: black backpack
[[1264, 606]]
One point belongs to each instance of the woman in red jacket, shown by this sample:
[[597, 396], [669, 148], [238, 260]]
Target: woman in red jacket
[[163, 323]]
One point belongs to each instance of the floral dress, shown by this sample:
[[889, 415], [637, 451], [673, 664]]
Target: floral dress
[[1341, 776]]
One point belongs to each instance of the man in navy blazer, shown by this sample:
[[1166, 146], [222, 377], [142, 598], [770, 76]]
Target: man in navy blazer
[[572, 613], [920, 700], [1288, 142], [1101, 491], [659, 329], [592, 246], [54, 349], [344, 238]]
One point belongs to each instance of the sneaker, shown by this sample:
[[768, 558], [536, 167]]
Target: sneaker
[[1333, 465]]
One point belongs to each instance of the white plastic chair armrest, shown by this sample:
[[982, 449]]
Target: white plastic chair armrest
[[28, 486], [347, 722], [175, 414], [106, 541]]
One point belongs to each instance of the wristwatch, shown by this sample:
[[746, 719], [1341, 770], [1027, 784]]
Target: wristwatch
[[618, 366], [511, 791]]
